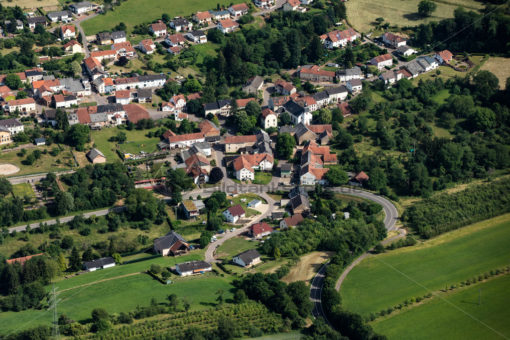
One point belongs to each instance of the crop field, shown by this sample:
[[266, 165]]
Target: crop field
[[362, 13], [500, 67], [136, 142], [122, 288], [455, 316], [129, 12], [389, 279]]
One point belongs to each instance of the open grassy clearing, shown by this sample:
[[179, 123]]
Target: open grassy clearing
[[262, 177], [307, 266], [47, 163], [136, 142], [130, 12], [389, 279], [362, 13], [500, 67], [30, 4], [440, 319], [234, 246], [23, 190]]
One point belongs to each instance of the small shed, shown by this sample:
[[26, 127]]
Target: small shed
[[254, 204], [40, 141], [95, 156], [102, 263]]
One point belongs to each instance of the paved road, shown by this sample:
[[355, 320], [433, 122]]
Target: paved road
[[35, 178], [390, 219], [82, 33]]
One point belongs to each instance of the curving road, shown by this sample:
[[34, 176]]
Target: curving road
[[390, 220]]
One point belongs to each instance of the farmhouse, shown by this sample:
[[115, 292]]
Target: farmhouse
[[234, 143], [102, 263], [247, 258], [186, 140], [315, 74], [261, 229], [234, 213], [12, 125], [393, 40], [171, 244], [192, 267], [23, 106], [382, 61], [95, 156], [208, 128]]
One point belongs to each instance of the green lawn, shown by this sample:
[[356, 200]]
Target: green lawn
[[262, 177], [441, 96], [136, 142], [121, 294], [389, 279], [459, 317], [46, 163], [23, 189], [134, 12], [235, 246]]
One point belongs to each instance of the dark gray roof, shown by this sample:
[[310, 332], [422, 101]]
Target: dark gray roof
[[114, 107], [297, 191], [99, 263], [355, 71], [321, 95], [211, 106], [286, 167], [197, 33], [249, 255], [298, 201], [37, 20], [168, 241], [216, 13], [180, 22], [355, 82], [223, 103], [277, 215], [83, 4], [193, 266], [118, 34], [151, 77], [293, 108], [72, 85], [336, 90], [11, 122], [40, 140], [287, 129], [94, 153], [59, 14], [414, 68], [144, 93], [33, 73], [50, 113], [301, 129]]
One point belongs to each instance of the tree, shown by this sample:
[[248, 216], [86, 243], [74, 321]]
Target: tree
[[78, 135], [13, 81], [285, 144], [121, 137], [216, 175], [5, 187], [64, 203], [219, 297], [141, 205], [484, 118], [377, 179], [336, 176], [76, 68], [87, 255], [253, 109], [426, 8], [173, 301], [486, 84], [75, 260], [205, 239], [361, 102], [61, 119], [325, 116]]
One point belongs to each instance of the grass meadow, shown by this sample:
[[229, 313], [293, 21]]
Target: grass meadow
[[455, 316], [129, 12], [388, 279], [500, 67], [136, 142], [46, 163]]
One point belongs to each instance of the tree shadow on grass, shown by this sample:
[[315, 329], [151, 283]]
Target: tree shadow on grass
[[413, 16]]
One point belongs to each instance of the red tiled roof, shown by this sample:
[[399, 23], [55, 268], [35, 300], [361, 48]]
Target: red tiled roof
[[317, 71], [240, 7], [293, 220], [260, 228], [92, 63], [203, 15], [293, 3], [240, 139], [158, 26], [320, 128], [284, 84], [59, 98], [361, 176], [71, 43], [250, 161], [228, 23], [123, 94], [24, 101], [446, 55], [108, 53], [126, 46], [393, 37], [135, 112], [176, 38], [207, 126], [319, 172], [168, 133], [68, 27], [48, 83], [241, 103], [341, 35], [345, 108], [266, 112], [381, 58], [236, 210], [185, 137]]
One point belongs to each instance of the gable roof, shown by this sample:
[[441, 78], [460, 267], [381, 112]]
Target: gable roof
[[228, 23], [267, 111], [381, 58], [207, 126], [236, 210], [203, 15], [320, 128], [193, 266], [240, 7], [249, 255], [104, 261], [240, 139], [293, 220], [260, 228], [167, 241], [94, 153], [185, 137], [158, 26]]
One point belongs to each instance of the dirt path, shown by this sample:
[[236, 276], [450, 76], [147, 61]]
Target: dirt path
[[100, 281]]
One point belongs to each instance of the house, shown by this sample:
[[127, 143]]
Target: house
[[308, 103], [197, 36], [202, 18], [292, 221], [34, 21], [269, 118], [124, 49], [81, 7], [23, 106], [384, 60], [313, 73], [428, 63], [337, 94], [175, 50], [285, 170], [171, 244], [234, 213], [192, 268], [61, 101], [238, 10], [40, 141], [284, 88], [261, 229], [338, 38], [34, 75], [158, 29], [102, 263], [354, 85], [253, 85], [360, 179], [123, 96], [321, 98], [203, 148], [95, 156], [234, 143], [186, 140], [414, 68], [175, 40], [349, 73], [192, 208], [241, 103], [5, 136], [303, 134], [78, 87], [406, 51], [245, 165], [291, 5], [147, 46], [444, 57], [299, 204], [73, 47], [248, 258], [297, 113], [323, 131], [227, 26], [220, 15], [181, 24], [59, 16], [12, 125], [208, 128], [391, 77], [220, 107], [107, 38], [393, 40], [266, 4], [67, 32], [144, 95]]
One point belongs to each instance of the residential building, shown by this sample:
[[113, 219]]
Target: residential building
[[248, 258], [337, 94], [444, 57], [147, 46], [144, 95], [197, 36], [349, 73], [123, 96], [238, 10], [291, 5], [303, 134], [108, 55], [253, 85], [292, 221], [61, 101], [73, 47], [313, 73], [241, 103], [390, 77], [360, 179], [220, 15], [221, 107], [59, 16], [193, 268], [428, 63], [67, 32], [202, 18], [158, 29], [234, 143], [208, 128], [171, 244], [186, 140], [284, 88], [384, 60], [175, 39], [269, 119], [234, 213], [5, 136], [406, 51], [12, 125], [245, 165], [181, 24], [107, 38], [261, 229], [297, 113], [124, 49], [354, 85], [102, 263], [39, 141], [23, 106], [34, 21], [95, 156], [338, 38], [191, 208], [227, 26], [81, 7], [393, 40], [265, 4]]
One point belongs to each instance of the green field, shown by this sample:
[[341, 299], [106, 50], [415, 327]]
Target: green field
[[136, 142], [459, 316], [389, 279], [23, 190], [362, 13], [134, 12], [235, 246], [262, 177], [46, 163], [119, 289]]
